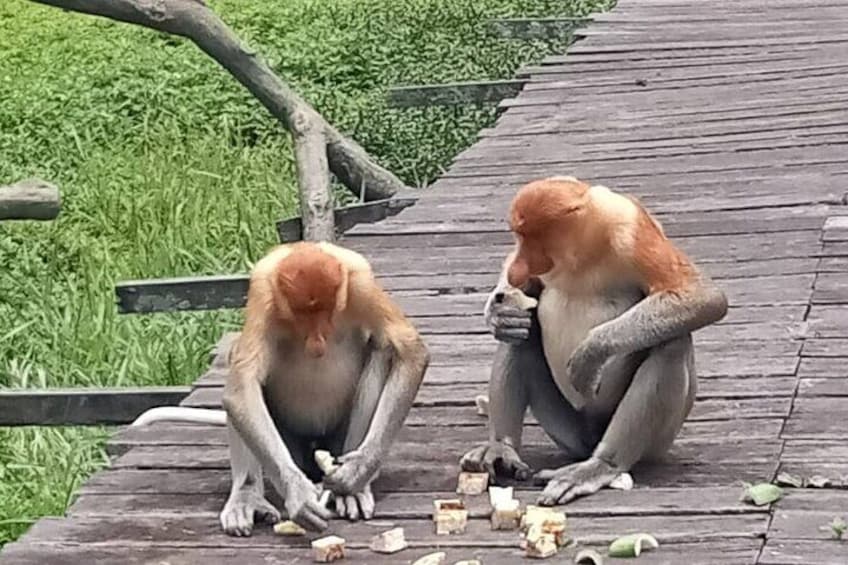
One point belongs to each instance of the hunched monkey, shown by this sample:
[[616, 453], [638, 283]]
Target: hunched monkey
[[605, 361], [325, 360]]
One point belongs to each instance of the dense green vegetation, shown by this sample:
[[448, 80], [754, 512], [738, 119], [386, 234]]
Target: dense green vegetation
[[169, 168]]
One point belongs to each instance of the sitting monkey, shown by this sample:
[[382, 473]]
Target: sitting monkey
[[606, 361], [325, 360]]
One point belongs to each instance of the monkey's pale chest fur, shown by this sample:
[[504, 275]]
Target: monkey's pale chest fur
[[566, 319], [312, 395]]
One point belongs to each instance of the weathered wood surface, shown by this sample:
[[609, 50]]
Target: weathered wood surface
[[728, 120], [30, 199]]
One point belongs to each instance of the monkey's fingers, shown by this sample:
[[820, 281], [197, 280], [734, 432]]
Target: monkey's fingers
[[543, 476], [341, 507], [313, 517], [554, 492], [512, 335], [366, 503], [352, 507]]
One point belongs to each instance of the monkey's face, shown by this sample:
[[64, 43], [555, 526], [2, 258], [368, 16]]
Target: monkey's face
[[310, 284], [544, 217]]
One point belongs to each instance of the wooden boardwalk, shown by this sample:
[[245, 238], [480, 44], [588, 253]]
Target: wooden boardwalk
[[729, 119]]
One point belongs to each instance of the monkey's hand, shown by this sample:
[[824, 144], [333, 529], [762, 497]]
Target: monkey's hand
[[509, 323], [583, 370], [355, 506], [571, 481], [302, 504], [495, 456], [356, 471]]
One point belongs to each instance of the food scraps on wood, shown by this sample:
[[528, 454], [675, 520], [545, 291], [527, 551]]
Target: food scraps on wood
[[588, 556], [432, 559], [632, 545], [450, 516], [390, 541], [506, 515], [327, 549], [837, 528], [288, 528], [762, 493], [539, 544], [482, 403], [817, 481], [469, 562], [785, 479], [472, 483]]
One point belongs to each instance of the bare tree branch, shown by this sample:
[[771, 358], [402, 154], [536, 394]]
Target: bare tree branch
[[30, 199], [313, 177], [194, 20]]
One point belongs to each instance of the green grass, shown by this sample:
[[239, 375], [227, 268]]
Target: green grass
[[168, 168]]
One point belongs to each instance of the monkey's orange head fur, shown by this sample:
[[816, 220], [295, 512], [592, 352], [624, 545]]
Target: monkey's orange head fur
[[311, 289], [543, 216]]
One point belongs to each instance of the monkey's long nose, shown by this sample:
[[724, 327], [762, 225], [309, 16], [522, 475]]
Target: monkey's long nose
[[518, 273]]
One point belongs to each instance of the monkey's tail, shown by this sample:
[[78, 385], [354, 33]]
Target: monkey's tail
[[182, 414]]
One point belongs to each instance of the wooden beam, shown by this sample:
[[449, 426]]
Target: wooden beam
[[230, 291], [30, 199], [182, 294], [83, 407], [536, 28], [452, 94], [345, 218]]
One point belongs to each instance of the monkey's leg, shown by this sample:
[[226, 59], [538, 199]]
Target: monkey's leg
[[368, 393], [645, 423], [247, 494], [513, 366]]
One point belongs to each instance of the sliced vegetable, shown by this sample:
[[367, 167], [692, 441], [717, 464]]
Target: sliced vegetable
[[762, 493], [632, 545], [589, 556]]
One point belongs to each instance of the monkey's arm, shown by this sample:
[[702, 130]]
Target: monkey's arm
[[249, 416], [660, 317], [409, 361]]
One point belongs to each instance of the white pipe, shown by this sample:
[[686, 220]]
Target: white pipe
[[182, 414]]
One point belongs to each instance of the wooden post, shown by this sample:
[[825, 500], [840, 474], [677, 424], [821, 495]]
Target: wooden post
[[30, 199]]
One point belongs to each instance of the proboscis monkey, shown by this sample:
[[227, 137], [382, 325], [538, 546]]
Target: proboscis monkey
[[325, 360], [605, 361]]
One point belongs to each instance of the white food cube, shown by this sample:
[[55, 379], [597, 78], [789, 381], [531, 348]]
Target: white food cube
[[506, 515], [330, 548], [498, 495], [390, 541], [472, 483]]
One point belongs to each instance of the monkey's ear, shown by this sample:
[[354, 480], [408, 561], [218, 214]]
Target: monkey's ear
[[341, 293]]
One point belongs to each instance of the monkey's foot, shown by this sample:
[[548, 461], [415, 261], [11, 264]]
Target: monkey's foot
[[356, 506], [242, 508], [495, 458], [571, 481]]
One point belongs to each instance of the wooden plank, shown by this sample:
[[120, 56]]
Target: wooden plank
[[730, 551], [827, 321], [831, 288], [143, 531], [178, 435], [79, 407], [824, 367], [458, 93], [636, 502], [800, 552]]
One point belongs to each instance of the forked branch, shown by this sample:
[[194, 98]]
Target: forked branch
[[194, 20]]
